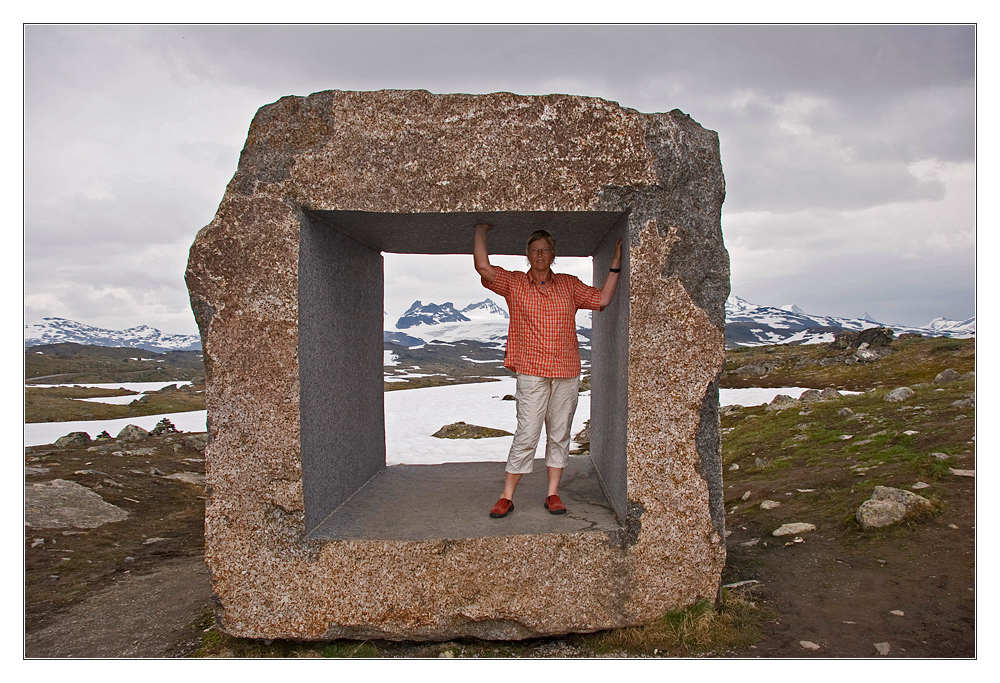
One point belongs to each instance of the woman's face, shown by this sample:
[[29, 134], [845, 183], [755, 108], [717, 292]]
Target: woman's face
[[540, 254]]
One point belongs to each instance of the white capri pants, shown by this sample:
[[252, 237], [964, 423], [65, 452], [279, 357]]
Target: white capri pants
[[543, 400]]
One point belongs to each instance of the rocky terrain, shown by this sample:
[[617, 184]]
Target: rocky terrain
[[114, 545], [879, 488], [851, 520]]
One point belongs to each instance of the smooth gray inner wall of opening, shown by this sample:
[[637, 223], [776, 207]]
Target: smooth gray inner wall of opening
[[578, 232], [340, 367], [341, 294], [609, 375]]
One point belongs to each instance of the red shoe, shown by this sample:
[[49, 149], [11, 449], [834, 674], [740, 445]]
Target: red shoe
[[503, 506], [555, 506]]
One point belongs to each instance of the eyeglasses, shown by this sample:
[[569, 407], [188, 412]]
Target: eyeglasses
[[543, 250]]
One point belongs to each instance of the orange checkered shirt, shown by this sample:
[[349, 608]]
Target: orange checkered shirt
[[541, 339]]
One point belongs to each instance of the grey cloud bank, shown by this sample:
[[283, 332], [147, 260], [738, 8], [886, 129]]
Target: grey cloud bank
[[849, 151]]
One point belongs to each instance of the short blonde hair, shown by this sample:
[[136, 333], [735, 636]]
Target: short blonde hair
[[540, 235]]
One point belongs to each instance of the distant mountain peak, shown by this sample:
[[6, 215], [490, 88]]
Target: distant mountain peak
[[486, 309], [60, 330], [792, 308], [420, 313], [748, 324]]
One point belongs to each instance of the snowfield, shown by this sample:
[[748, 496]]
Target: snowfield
[[411, 417], [40, 433]]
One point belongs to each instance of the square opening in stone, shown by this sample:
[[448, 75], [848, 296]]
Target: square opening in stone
[[349, 492]]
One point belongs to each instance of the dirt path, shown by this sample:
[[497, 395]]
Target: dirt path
[[139, 615], [913, 593]]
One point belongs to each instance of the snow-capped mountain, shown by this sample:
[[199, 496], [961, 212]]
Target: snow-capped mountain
[[421, 314], [748, 324], [60, 330], [953, 328], [485, 310], [483, 321], [429, 314]]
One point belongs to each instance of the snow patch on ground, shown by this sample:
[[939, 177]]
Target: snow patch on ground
[[411, 417], [141, 387], [755, 396], [40, 433]]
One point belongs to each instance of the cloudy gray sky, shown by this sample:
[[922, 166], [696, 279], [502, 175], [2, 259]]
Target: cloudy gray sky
[[849, 151]]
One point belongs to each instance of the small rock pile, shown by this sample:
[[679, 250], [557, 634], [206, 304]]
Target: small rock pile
[[164, 426], [461, 430]]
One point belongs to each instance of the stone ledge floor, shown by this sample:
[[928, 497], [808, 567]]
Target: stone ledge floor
[[432, 502]]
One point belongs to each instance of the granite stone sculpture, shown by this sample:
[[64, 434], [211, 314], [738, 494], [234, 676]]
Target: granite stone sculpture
[[308, 534]]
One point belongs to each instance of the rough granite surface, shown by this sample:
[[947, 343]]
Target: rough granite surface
[[415, 152]]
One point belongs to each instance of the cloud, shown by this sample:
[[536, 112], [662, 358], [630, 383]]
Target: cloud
[[848, 150], [900, 261]]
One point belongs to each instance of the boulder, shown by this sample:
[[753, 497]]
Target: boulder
[[406, 171], [61, 504], [869, 354], [964, 403], [899, 394], [873, 514], [132, 433], [873, 337], [196, 442], [781, 402], [888, 506], [828, 394], [793, 529], [73, 440], [948, 375]]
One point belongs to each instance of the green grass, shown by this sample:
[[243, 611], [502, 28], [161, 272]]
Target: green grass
[[698, 630], [808, 447], [85, 364], [58, 404]]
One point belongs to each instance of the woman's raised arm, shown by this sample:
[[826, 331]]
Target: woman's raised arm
[[481, 255]]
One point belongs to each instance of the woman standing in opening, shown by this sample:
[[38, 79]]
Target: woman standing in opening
[[542, 350]]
